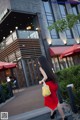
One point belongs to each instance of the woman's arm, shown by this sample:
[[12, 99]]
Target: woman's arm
[[43, 74]]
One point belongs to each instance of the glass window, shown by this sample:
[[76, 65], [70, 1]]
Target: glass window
[[76, 59], [78, 27], [63, 63], [47, 7], [68, 34], [70, 61], [74, 9], [62, 10], [75, 12], [48, 13], [63, 14], [53, 32], [55, 64], [49, 17]]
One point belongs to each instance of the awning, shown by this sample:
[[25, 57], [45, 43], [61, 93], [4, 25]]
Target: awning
[[73, 49], [5, 65], [57, 50]]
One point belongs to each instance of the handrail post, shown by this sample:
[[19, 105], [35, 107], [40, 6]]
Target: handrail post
[[72, 98]]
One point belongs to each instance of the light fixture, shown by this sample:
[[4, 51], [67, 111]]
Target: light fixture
[[3, 38], [16, 27], [23, 45], [65, 42], [28, 28], [10, 31], [77, 40], [49, 40], [37, 28]]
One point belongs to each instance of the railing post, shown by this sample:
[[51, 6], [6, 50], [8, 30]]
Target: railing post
[[72, 98], [60, 96]]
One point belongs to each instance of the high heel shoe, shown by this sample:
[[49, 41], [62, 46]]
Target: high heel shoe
[[53, 115]]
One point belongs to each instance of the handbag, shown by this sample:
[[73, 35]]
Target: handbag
[[45, 90]]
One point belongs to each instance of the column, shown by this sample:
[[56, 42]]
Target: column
[[25, 72]]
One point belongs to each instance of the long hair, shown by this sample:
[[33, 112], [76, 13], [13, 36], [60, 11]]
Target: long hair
[[47, 68]]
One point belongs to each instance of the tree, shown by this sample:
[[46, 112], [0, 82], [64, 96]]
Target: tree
[[63, 24]]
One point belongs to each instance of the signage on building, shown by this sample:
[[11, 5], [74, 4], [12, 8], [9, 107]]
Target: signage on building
[[3, 14]]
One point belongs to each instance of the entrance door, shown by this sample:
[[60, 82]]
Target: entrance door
[[32, 71]]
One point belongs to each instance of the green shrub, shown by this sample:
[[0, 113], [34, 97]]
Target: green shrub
[[70, 76], [5, 90]]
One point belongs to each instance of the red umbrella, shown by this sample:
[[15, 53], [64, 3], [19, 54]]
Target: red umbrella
[[5, 65], [73, 49]]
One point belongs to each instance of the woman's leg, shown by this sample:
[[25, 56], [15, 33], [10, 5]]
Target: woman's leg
[[59, 107], [52, 111]]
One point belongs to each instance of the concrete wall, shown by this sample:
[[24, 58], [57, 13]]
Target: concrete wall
[[4, 4], [32, 6]]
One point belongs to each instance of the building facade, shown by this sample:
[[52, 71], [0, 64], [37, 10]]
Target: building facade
[[60, 41], [24, 36]]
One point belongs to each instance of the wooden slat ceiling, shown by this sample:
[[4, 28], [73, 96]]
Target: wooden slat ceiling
[[27, 47]]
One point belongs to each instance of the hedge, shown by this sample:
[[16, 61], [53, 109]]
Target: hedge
[[67, 76], [5, 92]]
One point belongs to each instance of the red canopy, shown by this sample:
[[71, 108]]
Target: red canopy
[[73, 49], [5, 65], [57, 50]]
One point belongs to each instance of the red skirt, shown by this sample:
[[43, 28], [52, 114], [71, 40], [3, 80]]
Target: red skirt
[[52, 100]]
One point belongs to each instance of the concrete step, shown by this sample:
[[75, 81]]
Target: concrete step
[[39, 114]]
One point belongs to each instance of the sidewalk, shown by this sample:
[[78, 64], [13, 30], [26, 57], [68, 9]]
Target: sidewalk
[[27, 103], [24, 100]]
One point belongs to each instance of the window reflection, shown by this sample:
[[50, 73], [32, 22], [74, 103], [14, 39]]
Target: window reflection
[[47, 7], [63, 15], [74, 9], [75, 12], [50, 19], [55, 64]]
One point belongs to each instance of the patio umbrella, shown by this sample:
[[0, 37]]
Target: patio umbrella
[[6, 65], [73, 49]]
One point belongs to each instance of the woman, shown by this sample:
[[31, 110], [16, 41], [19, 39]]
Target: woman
[[48, 76]]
